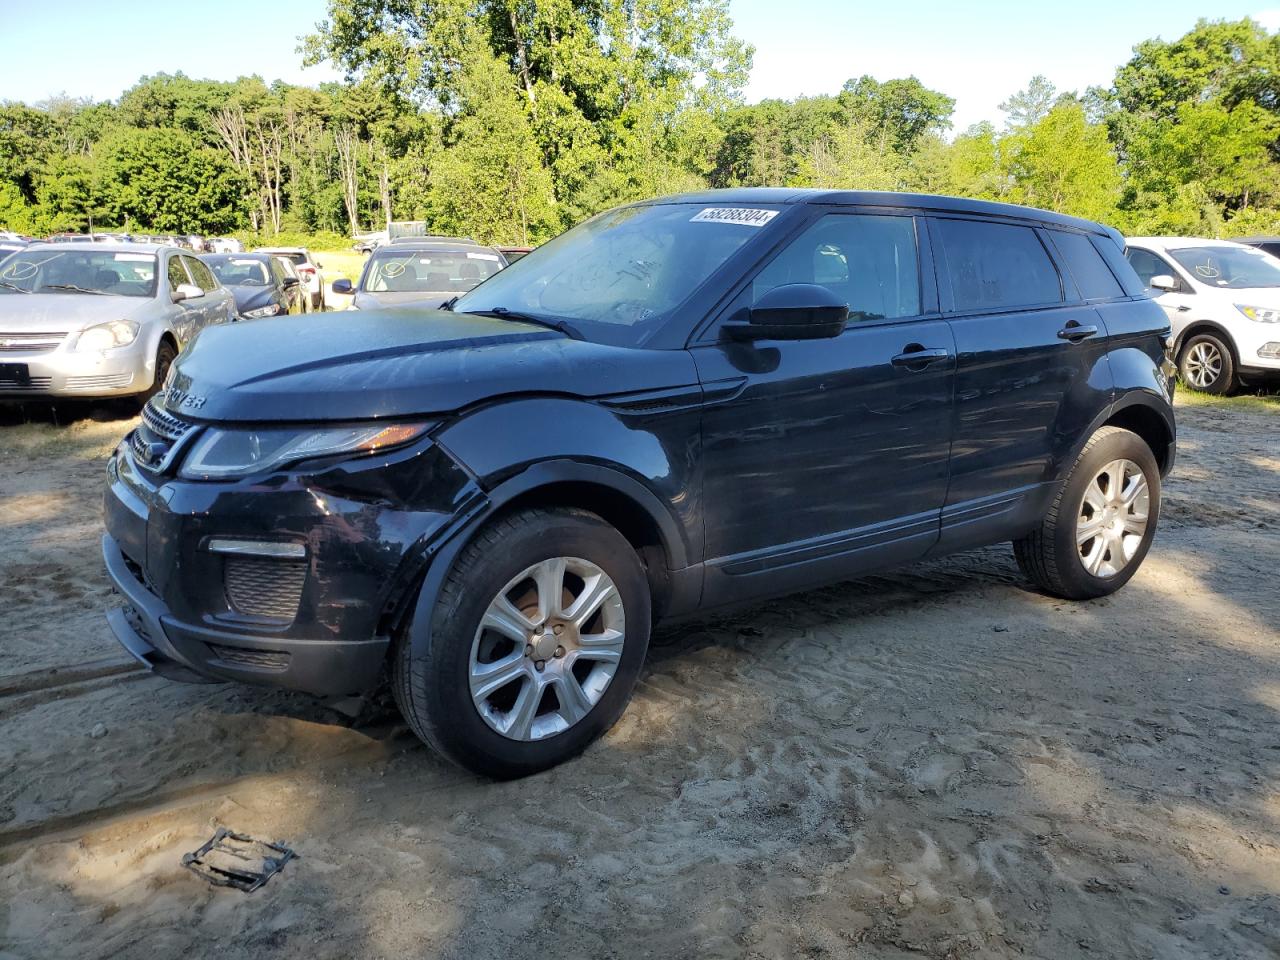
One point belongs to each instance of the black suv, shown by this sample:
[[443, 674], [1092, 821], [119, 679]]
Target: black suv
[[677, 406]]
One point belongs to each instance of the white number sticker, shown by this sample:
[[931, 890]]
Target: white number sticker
[[482, 256], [135, 258], [738, 215]]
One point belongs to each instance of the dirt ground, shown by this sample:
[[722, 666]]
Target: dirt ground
[[938, 762]]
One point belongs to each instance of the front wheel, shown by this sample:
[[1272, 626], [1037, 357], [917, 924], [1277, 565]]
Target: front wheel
[[536, 641], [165, 355], [1098, 530], [1206, 364]]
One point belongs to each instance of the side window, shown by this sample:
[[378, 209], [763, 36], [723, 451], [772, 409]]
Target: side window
[[177, 275], [202, 273], [870, 262], [1091, 273], [996, 266], [1147, 265]]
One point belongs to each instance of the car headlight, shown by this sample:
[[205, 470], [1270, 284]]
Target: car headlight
[[236, 453], [104, 336], [260, 312], [1260, 314]]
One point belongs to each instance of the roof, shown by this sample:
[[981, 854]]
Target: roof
[[100, 247], [877, 198], [1176, 243], [1256, 239], [280, 250], [243, 255]]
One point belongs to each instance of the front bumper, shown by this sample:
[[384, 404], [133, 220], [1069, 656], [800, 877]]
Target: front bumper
[[63, 373], [319, 623]]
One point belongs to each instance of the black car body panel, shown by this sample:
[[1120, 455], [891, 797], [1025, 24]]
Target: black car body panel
[[739, 469]]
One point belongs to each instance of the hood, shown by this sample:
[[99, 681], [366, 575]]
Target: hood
[[252, 297], [365, 300], [395, 363], [63, 312], [1244, 296]]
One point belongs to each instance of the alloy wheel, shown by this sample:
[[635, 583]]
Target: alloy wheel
[[546, 648], [1203, 365], [1113, 518]]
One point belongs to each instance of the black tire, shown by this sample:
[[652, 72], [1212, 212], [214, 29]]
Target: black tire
[[1226, 380], [165, 355], [1050, 556], [432, 685]]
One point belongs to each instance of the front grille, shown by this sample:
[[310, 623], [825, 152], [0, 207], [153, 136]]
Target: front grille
[[156, 436], [264, 588], [30, 342], [261, 659], [106, 381], [30, 385]]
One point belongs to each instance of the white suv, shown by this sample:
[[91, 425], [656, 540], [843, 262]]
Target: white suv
[[1223, 301], [308, 271]]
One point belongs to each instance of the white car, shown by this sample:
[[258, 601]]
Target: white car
[[308, 268], [1223, 302]]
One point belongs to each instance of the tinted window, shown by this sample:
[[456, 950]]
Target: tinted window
[[177, 275], [997, 265], [1090, 272], [1147, 265], [868, 261]]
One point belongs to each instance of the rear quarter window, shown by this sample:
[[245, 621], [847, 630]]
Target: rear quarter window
[[995, 266], [1093, 277]]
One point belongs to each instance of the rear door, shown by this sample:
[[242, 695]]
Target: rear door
[[1031, 373]]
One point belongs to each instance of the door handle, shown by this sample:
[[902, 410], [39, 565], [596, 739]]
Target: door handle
[[1183, 308], [916, 357], [1074, 332]]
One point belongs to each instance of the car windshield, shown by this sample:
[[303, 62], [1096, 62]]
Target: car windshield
[[1235, 267], [435, 271], [239, 271], [79, 271], [291, 256], [618, 276]]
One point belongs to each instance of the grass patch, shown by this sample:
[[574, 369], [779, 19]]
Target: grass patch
[[41, 437], [1259, 401]]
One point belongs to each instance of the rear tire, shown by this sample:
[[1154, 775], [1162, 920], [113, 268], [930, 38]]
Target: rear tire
[[496, 687], [1207, 364], [1100, 526]]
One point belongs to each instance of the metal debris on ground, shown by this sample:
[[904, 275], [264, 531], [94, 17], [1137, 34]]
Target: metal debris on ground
[[232, 859]]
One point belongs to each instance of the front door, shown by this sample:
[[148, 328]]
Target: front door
[[823, 458]]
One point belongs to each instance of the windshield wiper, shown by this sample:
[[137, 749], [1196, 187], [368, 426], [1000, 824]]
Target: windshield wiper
[[73, 287], [13, 286], [502, 313], [448, 304]]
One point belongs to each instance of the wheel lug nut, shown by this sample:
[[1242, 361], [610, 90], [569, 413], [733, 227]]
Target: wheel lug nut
[[559, 629], [559, 651], [528, 649], [538, 631], [540, 665]]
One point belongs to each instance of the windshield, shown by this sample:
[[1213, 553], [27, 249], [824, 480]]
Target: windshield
[[79, 271], [1235, 267], [618, 276], [239, 271], [434, 271]]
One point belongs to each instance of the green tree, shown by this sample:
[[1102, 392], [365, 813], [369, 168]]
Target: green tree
[[1062, 162]]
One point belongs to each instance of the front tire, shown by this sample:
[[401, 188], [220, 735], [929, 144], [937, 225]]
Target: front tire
[[1100, 526], [165, 355], [537, 638], [1207, 364]]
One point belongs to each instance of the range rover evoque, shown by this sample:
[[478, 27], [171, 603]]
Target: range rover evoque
[[678, 406]]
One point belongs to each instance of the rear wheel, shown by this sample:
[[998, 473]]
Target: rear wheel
[[1096, 534], [536, 641], [1206, 364]]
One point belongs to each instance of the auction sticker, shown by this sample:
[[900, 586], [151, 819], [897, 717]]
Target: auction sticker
[[740, 215]]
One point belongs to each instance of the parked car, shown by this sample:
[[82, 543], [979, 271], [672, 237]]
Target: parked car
[[426, 273], [369, 242], [675, 407], [96, 320], [1223, 301], [431, 238], [258, 283], [512, 254], [225, 245], [308, 268], [1269, 245]]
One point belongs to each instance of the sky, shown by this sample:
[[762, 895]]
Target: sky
[[978, 53]]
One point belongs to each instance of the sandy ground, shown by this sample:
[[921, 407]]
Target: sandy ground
[[937, 762]]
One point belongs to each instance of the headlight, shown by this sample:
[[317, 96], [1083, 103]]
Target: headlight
[[261, 312], [104, 336], [1260, 314], [235, 453]]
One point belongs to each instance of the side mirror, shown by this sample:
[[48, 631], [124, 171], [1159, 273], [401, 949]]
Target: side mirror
[[343, 286], [290, 282], [1164, 283], [319, 265], [187, 291], [793, 311]]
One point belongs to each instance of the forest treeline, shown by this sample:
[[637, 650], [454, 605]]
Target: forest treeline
[[510, 120]]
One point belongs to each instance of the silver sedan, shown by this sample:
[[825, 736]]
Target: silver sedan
[[100, 320]]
